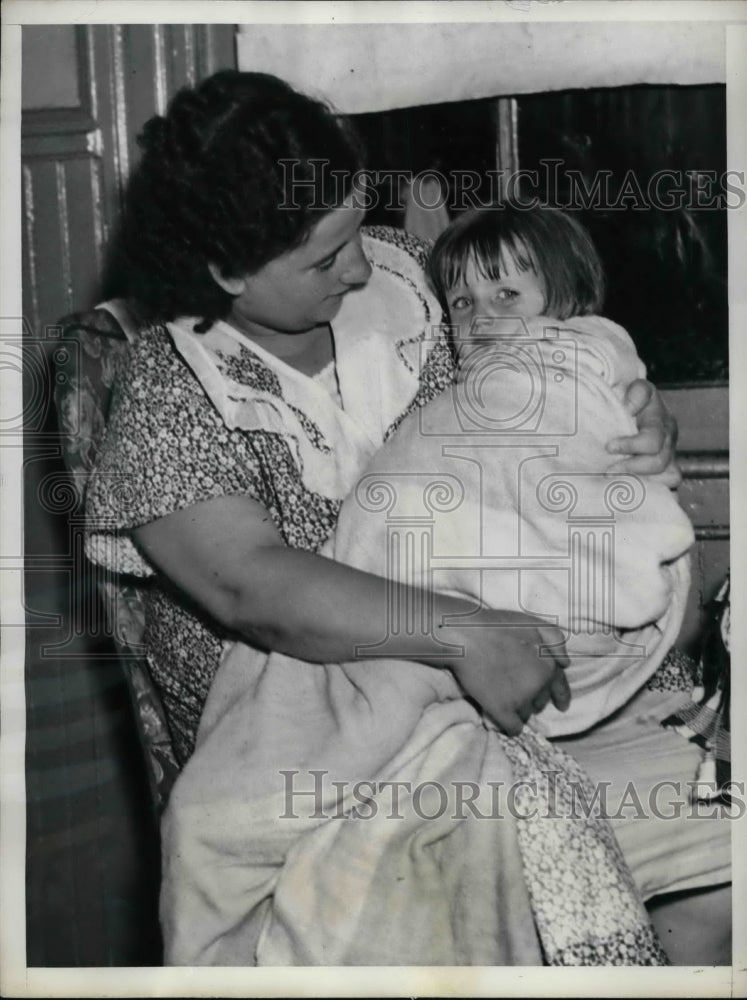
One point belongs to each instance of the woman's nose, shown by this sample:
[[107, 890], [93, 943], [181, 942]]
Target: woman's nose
[[356, 269]]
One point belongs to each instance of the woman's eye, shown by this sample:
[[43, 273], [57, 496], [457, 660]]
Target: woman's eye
[[327, 265]]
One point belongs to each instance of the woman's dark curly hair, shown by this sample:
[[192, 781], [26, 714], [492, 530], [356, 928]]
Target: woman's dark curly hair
[[236, 173]]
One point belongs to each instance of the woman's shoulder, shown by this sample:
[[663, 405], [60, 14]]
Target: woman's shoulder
[[158, 406], [154, 369], [399, 240]]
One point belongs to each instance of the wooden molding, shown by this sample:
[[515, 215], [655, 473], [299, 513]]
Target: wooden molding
[[704, 464]]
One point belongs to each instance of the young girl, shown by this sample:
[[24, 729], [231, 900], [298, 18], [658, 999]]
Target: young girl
[[542, 523]]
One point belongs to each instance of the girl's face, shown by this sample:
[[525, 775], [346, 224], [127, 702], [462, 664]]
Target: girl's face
[[516, 294], [304, 287]]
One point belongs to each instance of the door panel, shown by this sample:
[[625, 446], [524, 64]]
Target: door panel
[[92, 865], [702, 413]]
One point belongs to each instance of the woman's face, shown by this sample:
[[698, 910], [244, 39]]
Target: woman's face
[[304, 287]]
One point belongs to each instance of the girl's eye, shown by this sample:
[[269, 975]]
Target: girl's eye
[[506, 294], [460, 302]]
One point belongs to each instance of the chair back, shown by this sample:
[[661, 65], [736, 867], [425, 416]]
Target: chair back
[[96, 344]]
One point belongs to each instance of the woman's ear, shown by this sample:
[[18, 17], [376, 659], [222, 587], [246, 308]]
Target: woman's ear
[[234, 286]]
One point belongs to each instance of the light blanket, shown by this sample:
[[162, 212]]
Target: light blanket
[[367, 813], [502, 489]]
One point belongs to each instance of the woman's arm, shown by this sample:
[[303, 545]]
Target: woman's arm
[[651, 452], [227, 555]]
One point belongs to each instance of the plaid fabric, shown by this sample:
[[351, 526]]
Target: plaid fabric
[[707, 719], [677, 672]]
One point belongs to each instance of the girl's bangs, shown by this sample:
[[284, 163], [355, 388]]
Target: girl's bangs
[[488, 253]]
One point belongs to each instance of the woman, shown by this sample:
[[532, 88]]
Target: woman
[[241, 422]]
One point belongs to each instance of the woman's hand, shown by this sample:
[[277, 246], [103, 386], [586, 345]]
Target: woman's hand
[[650, 452], [503, 671]]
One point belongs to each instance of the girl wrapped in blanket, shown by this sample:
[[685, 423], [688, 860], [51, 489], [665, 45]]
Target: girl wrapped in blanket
[[536, 518]]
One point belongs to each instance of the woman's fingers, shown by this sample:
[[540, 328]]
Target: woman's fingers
[[650, 453], [513, 672], [511, 724], [672, 476], [652, 450], [555, 688], [553, 643], [560, 691], [649, 465], [648, 441], [638, 395], [541, 700]]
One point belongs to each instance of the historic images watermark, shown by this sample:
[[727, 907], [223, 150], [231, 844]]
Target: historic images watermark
[[431, 524], [313, 794], [59, 374], [553, 184]]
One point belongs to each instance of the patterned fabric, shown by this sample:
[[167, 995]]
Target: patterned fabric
[[244, 369], [167, 443], [94, 347], [416, 248], [707, 719], [677, 672], [166, 448], [597, 918], [438, 371], [94, 351], [435, 376]]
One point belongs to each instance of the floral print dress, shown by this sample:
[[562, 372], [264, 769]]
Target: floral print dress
[[166, 447]]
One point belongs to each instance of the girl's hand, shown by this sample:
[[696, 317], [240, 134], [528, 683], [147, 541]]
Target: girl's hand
[[503, 671], [650, 452]]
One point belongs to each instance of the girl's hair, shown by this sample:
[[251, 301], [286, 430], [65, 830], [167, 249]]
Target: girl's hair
[[542, 239], [236, 173]]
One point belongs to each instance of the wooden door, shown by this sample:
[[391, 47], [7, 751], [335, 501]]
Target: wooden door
[[92, 867]]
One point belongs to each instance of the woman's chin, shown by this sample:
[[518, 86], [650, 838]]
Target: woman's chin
[[333, 304]]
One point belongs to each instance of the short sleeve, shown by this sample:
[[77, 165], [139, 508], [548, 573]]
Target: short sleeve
[[165, 448]]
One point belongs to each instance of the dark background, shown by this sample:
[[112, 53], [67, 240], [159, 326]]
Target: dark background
[[666, 269]]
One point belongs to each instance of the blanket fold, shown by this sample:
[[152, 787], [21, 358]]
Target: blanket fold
[[502, 490]]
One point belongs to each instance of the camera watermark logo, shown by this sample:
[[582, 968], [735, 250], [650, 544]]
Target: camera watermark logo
[[58, 418], [45, 365], [513, 379], [487, 494]]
